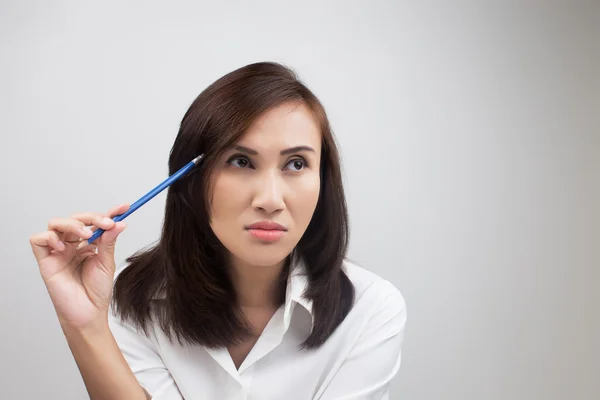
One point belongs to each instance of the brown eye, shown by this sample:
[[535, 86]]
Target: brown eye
[[239, 162], [297, 164]]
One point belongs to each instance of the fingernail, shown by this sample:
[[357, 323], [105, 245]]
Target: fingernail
[[87, 230], [106, 220], [61, 246]]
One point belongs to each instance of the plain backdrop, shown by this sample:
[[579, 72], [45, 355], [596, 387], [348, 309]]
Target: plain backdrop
[[470, 137]]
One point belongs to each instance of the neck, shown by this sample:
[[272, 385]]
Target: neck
[[257, 286]]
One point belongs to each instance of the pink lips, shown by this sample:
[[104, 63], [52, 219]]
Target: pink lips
[[267, 231]]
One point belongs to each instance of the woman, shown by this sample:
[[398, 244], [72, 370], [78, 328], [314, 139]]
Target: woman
[[248, 293]]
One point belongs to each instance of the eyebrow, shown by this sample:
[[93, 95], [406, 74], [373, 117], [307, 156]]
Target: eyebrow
[[294, 149]]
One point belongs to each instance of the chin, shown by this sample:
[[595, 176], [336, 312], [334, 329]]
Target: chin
[[266, 256]]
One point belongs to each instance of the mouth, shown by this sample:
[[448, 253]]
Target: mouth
[[266, 231]]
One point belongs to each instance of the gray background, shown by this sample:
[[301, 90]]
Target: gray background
[[471, 149]]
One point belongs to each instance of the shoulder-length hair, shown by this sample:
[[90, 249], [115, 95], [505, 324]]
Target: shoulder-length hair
[[187, 264]]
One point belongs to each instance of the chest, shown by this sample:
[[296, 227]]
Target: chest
[[240, 351], [258, 320], [264, 368]]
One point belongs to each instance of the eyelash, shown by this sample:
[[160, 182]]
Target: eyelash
[[240, 156]]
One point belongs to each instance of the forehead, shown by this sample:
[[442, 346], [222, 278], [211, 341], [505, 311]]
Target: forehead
[[287, 125]]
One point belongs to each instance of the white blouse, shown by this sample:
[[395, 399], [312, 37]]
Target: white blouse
[[357, 361]]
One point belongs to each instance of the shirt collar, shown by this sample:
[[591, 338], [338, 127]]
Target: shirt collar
[[297, 283]]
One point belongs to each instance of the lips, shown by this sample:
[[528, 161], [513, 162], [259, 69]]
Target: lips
[[267, 231], [267, 226]]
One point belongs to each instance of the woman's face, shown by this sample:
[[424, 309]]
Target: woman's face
[[267, 186]]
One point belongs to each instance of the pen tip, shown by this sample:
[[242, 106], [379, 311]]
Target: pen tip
[[197, 159], [81, 244]]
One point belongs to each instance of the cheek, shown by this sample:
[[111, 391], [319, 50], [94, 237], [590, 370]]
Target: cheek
[[226, 198], [305, 199]]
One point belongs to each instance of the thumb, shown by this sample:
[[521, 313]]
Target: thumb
[[107, 242]]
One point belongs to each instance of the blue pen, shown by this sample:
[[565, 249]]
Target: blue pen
[[147, 197]]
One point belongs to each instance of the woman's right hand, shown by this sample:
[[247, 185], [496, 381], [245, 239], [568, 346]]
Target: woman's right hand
[[80, 281]]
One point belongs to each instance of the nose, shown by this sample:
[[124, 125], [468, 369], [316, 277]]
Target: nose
[[269, 193]]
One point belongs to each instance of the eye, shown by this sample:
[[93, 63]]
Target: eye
[[297, 164], [239, 162]]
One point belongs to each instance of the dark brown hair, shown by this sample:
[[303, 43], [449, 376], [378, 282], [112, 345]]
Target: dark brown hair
[[187, 264]]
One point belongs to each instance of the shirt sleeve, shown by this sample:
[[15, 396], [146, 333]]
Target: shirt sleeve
[[374, 359], [142, 355]]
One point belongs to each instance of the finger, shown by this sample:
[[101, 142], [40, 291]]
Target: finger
[[91, 220], [94, 220], [104, 221], [98, 220], [69, 229], [83, 253], [118, 210], [73, 230], [106, 246], [44, 243]]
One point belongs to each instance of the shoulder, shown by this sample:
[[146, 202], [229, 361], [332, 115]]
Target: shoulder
[[373, 293]]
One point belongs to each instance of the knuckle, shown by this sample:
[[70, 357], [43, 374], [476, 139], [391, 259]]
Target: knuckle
[[81, 215], [75, 222]]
